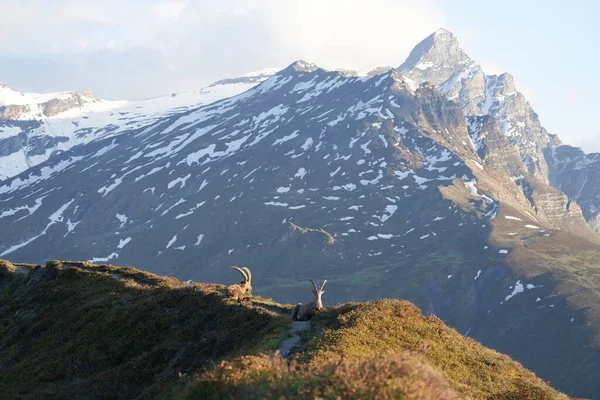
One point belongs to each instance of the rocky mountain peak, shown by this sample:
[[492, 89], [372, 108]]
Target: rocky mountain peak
[[303, 66], [443, 37], [84, 93], [439, 60], [4, 86], [436, 58]]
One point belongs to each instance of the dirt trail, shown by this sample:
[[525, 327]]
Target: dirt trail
[[295, 328]]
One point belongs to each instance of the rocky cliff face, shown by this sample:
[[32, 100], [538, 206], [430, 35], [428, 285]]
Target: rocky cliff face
[[57, 106], [13, 111], [439, 60], [578, 175], [549, 203], [493, 147]]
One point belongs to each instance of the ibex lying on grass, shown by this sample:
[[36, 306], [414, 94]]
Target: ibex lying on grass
[[304, 312], [242, 289]]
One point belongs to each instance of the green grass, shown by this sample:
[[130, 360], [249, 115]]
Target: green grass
[[98, 331], [81, 333], [380, 350], [393, 376], [573, 262], [6, 269], [356, 330]]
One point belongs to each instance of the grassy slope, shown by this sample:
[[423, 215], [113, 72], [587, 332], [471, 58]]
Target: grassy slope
[[474, 371], [81, 333], [377, 350], [559, 321], [569, 267]]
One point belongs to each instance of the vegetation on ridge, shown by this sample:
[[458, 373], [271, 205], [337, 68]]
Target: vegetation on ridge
[[383, 349], [79, 330], [355, 330], [117, 333], [392, 376]]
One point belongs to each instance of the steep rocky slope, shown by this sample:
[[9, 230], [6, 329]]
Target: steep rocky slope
[[78, 330], [438, 59], [578, 175]]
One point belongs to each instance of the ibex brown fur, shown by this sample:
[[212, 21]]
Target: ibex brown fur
[[241, 290], [304, 312]]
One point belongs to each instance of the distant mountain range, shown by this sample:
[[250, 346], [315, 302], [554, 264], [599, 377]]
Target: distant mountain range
[[33, 126], [432, 182]]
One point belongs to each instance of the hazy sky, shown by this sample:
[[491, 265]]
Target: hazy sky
[[130, 49]]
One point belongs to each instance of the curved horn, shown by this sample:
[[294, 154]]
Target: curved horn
[[241, 272], [324, 282], [314, 285], [248, 273]]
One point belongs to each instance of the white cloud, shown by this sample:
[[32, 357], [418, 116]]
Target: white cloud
[[492, 67], [82, 42], [169, 10], [351, 34], [187, 44], [573, 97], [84, 11], [588, 141], [530, 93]]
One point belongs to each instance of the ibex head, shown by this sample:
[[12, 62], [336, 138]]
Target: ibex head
[[318, 292], [245, 271]]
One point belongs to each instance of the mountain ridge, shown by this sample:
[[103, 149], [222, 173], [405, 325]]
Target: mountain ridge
[[33, 126], [462, 80], [134, 334]]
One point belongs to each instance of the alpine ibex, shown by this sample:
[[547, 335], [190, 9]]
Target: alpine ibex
[[242, 289], [304, 312]]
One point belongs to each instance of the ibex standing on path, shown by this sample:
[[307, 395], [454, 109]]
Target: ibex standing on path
[[304, 312], [242, 289]]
